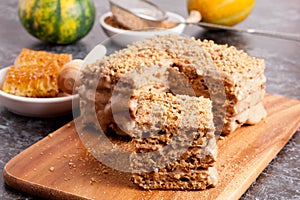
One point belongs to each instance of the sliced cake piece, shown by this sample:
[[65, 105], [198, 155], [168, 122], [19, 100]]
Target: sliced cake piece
[[174, 142]]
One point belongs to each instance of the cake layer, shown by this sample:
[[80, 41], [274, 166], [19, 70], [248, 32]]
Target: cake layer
[[174, 156], [236, 87], [177, 180], [251, 100], [251, 116], [163, 114]]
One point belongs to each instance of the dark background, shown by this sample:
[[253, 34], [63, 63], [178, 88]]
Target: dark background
[[280, 180]]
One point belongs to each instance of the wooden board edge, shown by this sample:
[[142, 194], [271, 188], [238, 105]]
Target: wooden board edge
[[33, 188], [293, 128], [255, 174], [36, 189]]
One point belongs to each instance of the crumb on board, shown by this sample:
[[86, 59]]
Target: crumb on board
[[51, 169], [92, 180]]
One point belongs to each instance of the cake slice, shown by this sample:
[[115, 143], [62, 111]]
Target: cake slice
[[174, 142]]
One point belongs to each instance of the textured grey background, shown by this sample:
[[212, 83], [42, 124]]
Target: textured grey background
[[280, 180]]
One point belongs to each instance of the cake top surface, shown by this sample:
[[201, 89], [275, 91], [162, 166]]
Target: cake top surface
[[186, 112], [230, 59], [156, 50], [167, 49]]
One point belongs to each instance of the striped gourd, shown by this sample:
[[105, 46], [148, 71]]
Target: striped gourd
[[57, 21], [225, 12]]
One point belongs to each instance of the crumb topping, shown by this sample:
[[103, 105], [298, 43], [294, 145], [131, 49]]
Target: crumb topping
[[189, 51], [230, 59]]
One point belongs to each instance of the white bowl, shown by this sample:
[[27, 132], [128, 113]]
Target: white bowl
[[125, 37], [36, 107]]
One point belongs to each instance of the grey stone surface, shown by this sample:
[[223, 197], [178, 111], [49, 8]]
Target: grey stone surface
[[280, 180]]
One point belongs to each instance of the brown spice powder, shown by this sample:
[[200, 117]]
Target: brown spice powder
[[111, 21]]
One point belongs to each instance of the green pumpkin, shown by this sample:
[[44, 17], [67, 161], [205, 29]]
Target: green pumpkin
[[57, 21]]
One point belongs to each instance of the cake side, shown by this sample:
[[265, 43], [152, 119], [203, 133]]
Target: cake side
[[193, 180]]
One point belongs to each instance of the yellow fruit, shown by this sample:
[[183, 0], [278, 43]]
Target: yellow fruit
[[225, 12]]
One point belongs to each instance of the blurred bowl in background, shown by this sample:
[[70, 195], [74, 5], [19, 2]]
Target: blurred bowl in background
[[124, 37]]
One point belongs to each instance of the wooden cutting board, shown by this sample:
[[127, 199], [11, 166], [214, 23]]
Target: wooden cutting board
[[59, 167]]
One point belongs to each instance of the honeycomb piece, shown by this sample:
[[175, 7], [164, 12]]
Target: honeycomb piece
[[35, 74]]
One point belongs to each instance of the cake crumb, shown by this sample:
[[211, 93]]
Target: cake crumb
[[51, 169], [72, 165], [221, 138], [92, 180]]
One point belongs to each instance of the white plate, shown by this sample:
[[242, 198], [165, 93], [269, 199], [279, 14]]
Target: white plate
[[36, 107]]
